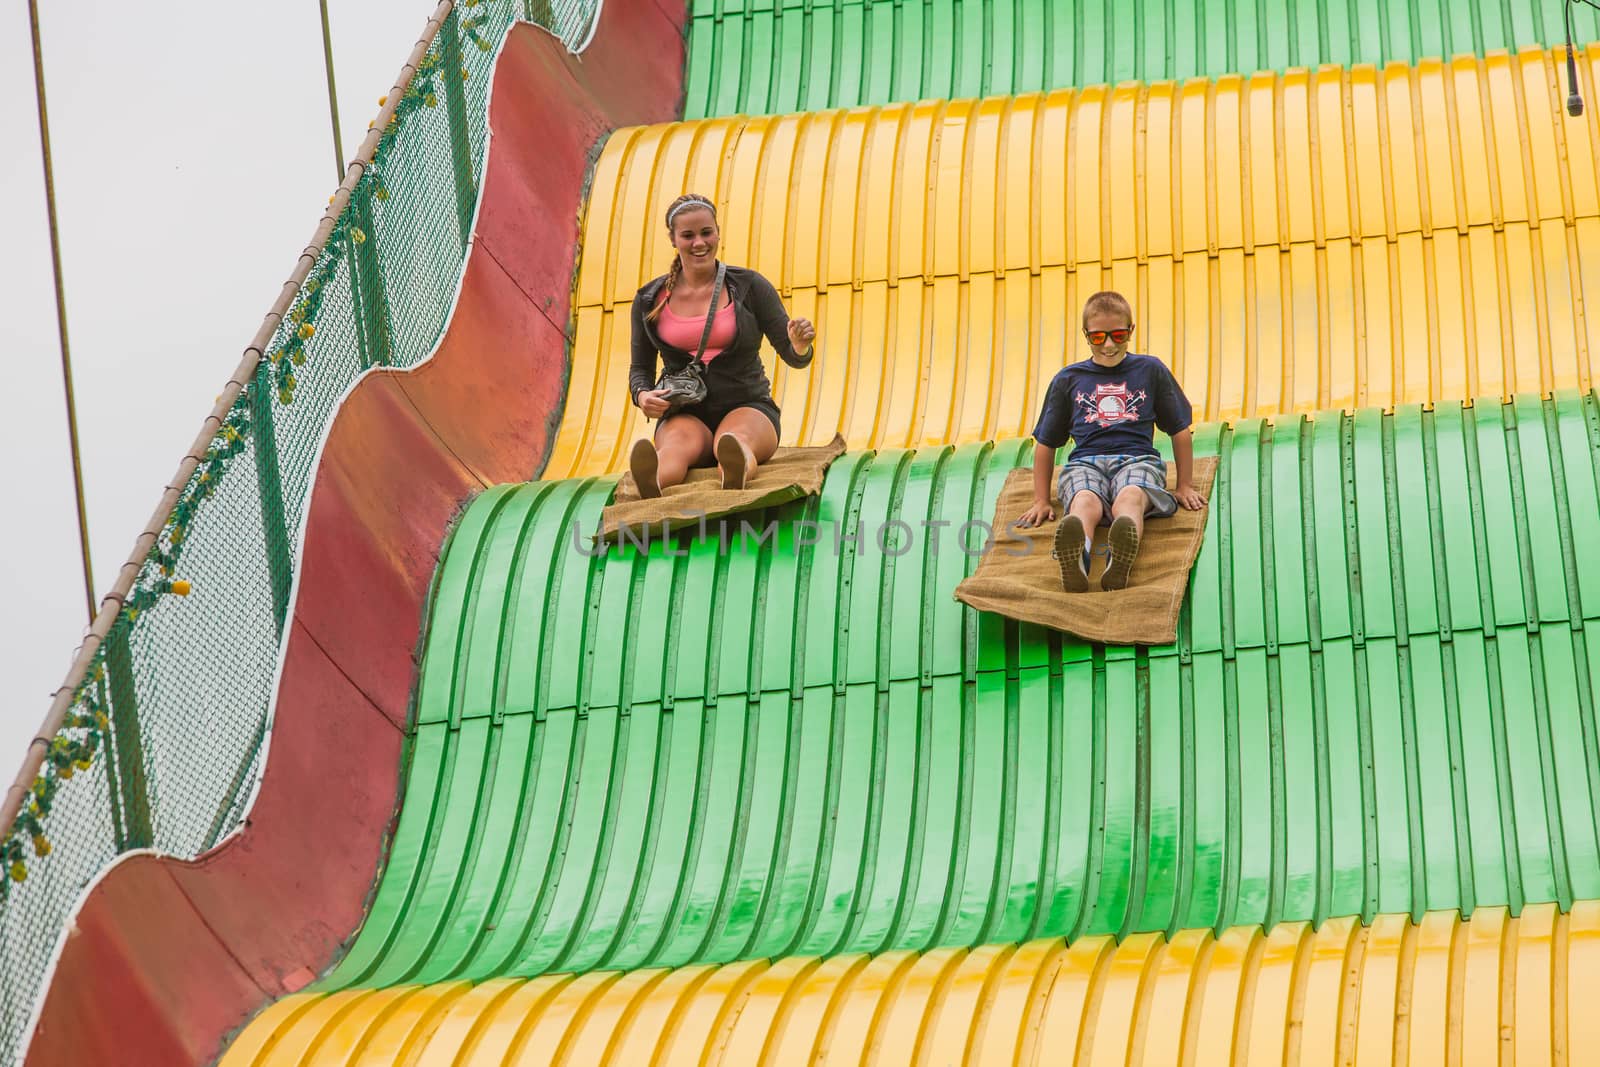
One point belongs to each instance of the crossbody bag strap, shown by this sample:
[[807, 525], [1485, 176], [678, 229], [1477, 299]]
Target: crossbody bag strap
[[711, 315]]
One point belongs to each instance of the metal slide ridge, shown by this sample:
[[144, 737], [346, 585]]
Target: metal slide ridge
[[776, 56], [760, 801], [1381, 701], [1438, 990], [1345, 238]]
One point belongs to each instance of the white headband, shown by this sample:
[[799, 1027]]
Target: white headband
[[696, 202]]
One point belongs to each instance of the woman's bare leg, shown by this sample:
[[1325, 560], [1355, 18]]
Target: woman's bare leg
[[745, 439], [682, 441]]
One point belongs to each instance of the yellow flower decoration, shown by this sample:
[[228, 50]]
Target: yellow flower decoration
[[431, 100], [384, 99], [307, 331], [181, 587], [18, 872], [358, 234], [41, 847]]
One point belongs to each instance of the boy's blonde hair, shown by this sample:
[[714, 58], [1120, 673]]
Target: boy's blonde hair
[[1107, 301]]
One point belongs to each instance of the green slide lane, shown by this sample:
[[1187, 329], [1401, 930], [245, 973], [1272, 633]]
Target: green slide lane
[[1382, 700], [780, 56]]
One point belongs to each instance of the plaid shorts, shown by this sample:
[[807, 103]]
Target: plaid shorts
[[1106, 476]]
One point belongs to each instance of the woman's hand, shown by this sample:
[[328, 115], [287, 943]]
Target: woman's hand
[[652, 403], [801, 334]]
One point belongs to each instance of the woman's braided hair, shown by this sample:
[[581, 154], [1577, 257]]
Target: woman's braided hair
[[676, 270]]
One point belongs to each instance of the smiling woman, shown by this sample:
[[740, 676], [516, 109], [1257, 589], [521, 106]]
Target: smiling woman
[[715, 405]]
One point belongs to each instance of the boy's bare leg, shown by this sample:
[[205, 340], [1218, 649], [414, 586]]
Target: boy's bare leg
[[1077, 527], [1127, 527], [1088, 508]]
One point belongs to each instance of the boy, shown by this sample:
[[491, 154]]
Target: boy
[[1110, 405]]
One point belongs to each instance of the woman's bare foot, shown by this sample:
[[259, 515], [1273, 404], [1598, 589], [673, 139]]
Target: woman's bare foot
[[735, 460], [642, 464]]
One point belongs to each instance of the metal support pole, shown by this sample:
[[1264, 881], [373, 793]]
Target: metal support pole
[[127, 742], [456, 111], [366, 286], [333, 93], [61, 309], [269, 484]]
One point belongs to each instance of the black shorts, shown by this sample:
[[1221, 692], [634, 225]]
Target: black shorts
[[713, 414]]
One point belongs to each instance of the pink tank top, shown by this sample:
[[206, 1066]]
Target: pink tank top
[[685, 333]]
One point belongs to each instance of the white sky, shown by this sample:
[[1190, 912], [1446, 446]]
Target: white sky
[[193, 159]]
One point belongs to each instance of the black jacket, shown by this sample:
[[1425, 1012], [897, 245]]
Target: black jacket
[[736, 375]]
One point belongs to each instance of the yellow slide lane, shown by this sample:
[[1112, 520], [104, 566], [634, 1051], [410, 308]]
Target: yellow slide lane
[[1492, 989], [1293, 242]]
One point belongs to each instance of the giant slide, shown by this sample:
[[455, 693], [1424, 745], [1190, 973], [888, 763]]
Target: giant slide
[[791, 802]]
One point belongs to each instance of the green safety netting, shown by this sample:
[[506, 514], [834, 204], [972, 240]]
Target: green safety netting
[[163, 743], [777, 56]]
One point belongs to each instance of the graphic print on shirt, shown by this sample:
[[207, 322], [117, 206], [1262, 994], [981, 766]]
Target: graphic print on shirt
[[1110, 403]]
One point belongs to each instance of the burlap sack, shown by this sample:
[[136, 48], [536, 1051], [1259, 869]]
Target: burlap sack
[[1026, 586], [790, 474]]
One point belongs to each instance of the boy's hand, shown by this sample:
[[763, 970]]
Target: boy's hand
[[1039, 514], [1189, 497]]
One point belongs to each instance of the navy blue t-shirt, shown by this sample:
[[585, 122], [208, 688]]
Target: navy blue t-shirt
[[1112, 411]]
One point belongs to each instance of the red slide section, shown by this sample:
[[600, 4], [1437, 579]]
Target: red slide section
[[168, 957]]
